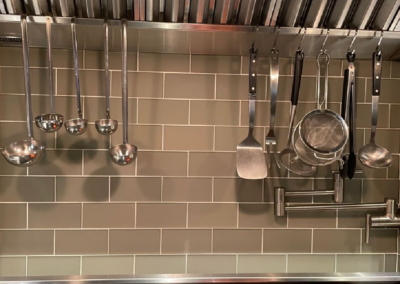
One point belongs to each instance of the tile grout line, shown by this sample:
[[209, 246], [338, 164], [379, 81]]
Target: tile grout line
[[109, 189], [161, 235], [80, 265], [26, 265]]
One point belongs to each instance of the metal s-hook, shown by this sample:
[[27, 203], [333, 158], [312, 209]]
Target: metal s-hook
[[323, 51], [254, 38], [352, 42], [302, 38], [379, 43], [276, 38]]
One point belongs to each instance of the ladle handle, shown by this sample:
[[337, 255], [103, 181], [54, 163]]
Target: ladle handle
[[376, 90], [252, 87], [107, 69], [27, 80], [298, 70], [75, 53], [50, 63], [124, 53]]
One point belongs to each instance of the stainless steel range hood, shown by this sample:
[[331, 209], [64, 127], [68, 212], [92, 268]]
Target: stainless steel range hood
[[212, 26]]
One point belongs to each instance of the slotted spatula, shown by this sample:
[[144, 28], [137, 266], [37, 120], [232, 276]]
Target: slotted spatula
[[250, 159]]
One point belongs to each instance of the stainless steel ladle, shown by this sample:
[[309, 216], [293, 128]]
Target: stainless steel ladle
[[106, 126], [27, 152], [76, 126], [372, 155], [125, 153], [50, 122]]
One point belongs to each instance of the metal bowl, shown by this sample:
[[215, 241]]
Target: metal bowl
[[76, 126], [106, 126], [24, 153], [123, 154], [49, 122]]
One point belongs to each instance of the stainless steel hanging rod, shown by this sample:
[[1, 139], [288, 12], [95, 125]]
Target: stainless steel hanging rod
[[203, 27]]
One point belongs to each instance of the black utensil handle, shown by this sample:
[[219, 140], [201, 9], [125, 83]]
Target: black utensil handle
[[253, 71], [376, 73], [344, 96], [352, 120], [298, 70]]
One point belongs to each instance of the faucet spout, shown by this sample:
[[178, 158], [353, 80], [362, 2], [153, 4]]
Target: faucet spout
[[389, 220]]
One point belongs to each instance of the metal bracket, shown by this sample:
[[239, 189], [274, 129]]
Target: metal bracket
[[336, 192]]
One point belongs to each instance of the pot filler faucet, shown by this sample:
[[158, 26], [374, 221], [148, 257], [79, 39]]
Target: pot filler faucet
[[388, 220]]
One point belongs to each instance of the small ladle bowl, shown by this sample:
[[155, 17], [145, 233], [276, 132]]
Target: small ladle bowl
[[76, 126], [24, 153], [106, 126], [49, 122], [375, 156], [123, 154]]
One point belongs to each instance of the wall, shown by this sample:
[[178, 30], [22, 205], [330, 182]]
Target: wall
[[180, 208]]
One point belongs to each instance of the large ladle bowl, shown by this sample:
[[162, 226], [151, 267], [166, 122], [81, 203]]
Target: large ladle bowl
[[76, 126], [24, 153], [374, 156]]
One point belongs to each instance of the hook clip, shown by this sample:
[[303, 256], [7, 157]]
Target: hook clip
[[302, 38], [352, 42], [276, 38], [379, 43], [254, 38], [323, 51]]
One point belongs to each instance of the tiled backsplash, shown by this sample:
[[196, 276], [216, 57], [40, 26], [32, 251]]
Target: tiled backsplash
[[181, 207]]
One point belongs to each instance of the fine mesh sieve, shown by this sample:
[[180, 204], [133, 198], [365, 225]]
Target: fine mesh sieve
[[320, 137], [323, 131]]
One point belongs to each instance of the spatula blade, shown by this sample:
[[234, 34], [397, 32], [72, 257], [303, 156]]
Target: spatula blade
[[250, 160]]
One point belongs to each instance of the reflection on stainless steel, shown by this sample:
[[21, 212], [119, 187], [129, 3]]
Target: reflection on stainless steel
[[186, 10], [275, 13], [363, 14], [339, 14], [246, 12], [291, 13], [316, 13], [183, 37], [387, 12], [360, 277], [2, 7], [223, 12], [211, 10], [267, 12]]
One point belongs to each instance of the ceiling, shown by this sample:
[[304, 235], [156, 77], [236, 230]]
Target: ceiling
[[211, 26]]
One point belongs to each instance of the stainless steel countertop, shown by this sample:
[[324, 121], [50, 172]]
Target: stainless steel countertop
[[217, 278]]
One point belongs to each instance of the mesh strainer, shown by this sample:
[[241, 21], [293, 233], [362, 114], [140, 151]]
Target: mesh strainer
[[320, 137]]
